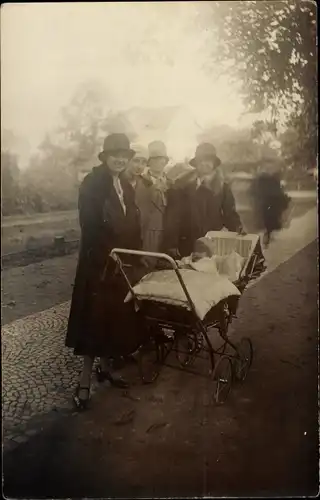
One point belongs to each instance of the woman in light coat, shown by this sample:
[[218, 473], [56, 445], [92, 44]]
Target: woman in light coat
[[151, 195]]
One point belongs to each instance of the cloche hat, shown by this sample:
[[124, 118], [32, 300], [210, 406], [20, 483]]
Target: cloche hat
[[157, 149], [140, 151], [114, 143], [205, 150]]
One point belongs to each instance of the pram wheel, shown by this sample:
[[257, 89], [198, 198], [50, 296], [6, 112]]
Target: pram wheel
[[186, 348], [243, 361], [149, 362], [222, 379]]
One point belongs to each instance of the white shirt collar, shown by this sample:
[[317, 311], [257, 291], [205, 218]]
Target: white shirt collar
[[119, 191]]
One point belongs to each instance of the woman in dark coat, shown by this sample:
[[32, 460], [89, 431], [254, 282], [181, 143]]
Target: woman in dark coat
[[99, 320], [198, 202]]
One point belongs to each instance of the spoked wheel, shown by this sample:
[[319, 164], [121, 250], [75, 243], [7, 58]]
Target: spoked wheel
[[244, 358], [150, 360], [186, 348], [222, 379]]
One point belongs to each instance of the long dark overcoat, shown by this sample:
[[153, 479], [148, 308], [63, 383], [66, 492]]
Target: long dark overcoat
[[100, 324], [191, 212]]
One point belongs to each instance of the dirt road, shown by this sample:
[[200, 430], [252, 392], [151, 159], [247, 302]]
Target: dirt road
[[26, 220], [165, 440], [21, 233], [33, 288]]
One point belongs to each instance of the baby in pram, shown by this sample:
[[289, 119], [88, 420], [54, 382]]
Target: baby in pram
[[204, 259], [229, 265]]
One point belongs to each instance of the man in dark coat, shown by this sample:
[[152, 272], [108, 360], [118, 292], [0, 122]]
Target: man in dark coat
[[197, 202], [99, 320]]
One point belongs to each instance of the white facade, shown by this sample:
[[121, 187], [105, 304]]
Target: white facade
[[181, 136], [176, 127]]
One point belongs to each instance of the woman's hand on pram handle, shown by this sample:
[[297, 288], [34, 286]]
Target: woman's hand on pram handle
[[145, 262], [174, 253], [241, 231], [150, 263]]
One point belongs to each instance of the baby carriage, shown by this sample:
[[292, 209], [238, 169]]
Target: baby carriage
[[180, 306]]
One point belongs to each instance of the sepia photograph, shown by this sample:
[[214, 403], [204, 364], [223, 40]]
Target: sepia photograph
[[159, 249]]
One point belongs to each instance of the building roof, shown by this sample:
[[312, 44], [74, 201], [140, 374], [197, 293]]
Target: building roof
[[151, 119]]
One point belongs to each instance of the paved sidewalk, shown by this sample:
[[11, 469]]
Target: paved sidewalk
[[165, 440], [287, 242]]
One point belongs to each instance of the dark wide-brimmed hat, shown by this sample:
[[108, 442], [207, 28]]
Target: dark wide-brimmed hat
[[205, 150], [114, 143]]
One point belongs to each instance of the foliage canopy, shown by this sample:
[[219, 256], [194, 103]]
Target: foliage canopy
[[270, 47]]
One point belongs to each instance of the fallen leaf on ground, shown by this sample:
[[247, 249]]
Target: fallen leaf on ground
[[155, 399], [126, 418], [127, 394], [290, 363], [155, 427]]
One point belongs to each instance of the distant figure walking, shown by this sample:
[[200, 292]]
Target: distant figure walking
[[269, 203]]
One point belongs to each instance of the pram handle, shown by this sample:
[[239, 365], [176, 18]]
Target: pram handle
[[155, 255], [115, 255]]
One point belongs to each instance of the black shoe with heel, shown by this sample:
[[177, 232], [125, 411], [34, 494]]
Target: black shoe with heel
[[81, 403]]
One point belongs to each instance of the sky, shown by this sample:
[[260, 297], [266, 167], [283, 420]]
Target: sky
[[143, 54]]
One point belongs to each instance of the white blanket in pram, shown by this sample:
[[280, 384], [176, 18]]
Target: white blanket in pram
[[204, 289], [229, 266]]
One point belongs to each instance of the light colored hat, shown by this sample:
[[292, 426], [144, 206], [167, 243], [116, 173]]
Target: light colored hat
[[157, 149], [140, 151]]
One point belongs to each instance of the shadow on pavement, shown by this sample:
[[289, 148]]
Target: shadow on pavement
[[47, 467]]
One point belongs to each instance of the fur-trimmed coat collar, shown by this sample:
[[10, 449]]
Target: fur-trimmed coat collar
[[214, 182]]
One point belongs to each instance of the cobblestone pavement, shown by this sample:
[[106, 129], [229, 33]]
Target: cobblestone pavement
[[37, 371], [39, 374]]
